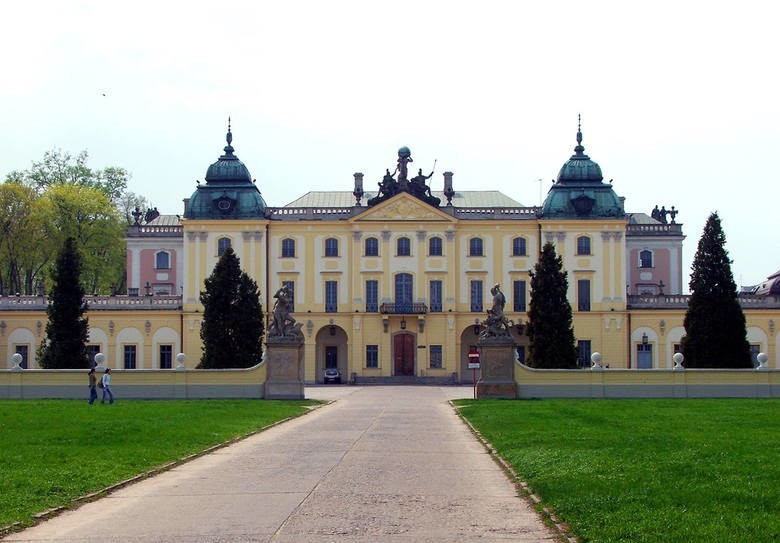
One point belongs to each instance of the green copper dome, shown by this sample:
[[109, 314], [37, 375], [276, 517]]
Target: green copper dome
[[229, 192], [579, 192]]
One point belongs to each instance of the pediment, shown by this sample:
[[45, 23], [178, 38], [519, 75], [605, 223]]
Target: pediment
[[403, 207]]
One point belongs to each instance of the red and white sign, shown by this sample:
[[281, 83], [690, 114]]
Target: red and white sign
[[473, 359]]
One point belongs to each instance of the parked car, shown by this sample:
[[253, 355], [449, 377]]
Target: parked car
[[332, 375]]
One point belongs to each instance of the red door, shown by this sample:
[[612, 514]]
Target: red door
[[403, 351]]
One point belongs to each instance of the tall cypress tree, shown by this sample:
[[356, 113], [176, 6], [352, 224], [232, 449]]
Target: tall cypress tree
[[715, 335], [67, 329], [232, 328], [550, 318]]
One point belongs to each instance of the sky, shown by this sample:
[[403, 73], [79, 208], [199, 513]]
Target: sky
[[680, 101]]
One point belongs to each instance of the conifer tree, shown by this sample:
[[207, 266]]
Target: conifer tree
[[550, 328], [232, 328], [715, 335], [67, 329]]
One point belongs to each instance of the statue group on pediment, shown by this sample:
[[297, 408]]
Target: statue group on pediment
[[416, 186]]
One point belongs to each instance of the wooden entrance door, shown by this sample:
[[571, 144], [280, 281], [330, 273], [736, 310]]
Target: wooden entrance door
[[403, 352]]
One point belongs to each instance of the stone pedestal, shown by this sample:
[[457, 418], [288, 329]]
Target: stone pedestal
[[284, 357], [497, 364]]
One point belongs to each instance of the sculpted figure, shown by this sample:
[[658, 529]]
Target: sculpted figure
[[496, 323], [283, 322]]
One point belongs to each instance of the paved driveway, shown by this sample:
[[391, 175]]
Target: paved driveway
[[379, 464]]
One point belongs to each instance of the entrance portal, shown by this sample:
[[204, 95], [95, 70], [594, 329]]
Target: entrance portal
[[403, 353]]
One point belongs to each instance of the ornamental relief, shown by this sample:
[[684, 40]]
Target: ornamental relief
[[403, 210]]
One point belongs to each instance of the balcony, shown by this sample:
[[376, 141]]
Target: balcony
[[403, 309]]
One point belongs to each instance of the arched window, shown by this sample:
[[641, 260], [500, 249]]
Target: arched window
[[583, 245], [372, 247], [162, 260], [434, 246], [475, 247], [223, 244], [288, 248], [645, 259], [518, 247], [403, 292], [331, 247], [404, 247]]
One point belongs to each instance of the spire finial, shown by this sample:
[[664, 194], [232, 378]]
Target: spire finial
[[229, 134], [229, 148], [579, 149]]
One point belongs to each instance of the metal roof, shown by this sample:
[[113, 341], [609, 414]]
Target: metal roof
[[467, 198]]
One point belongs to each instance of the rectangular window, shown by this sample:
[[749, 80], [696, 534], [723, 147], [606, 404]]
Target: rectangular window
[[475, 247], [435, 300], [331, 296], [476, 296], [583, 350], [583, 294], [129, 356], [372, 356], [372, 296], [518, 247], [434, 247], [162, 261], [676, 348], [583, 245], [518, 295], [23, 350], [166, 357], [331, 247], [291, 290], [288, 248], [645, 259], [435, 356], [223, 244]]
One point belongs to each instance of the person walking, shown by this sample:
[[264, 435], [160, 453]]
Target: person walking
[[92, 386], [107, 387]]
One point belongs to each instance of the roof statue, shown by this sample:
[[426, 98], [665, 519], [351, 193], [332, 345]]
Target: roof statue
[[390, 186]]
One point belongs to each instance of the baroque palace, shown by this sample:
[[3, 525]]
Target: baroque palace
[[390, 284]]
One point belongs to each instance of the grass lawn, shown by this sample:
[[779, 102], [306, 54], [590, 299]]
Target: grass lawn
[[52, 451], [645, 470]]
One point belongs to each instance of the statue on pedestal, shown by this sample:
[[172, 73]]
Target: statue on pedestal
[[283, 324], [496, 324]]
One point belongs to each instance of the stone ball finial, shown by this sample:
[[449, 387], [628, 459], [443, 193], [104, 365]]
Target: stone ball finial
[[100, 358], [762, 361], [596, 359], [180, 358], [678, 360], [16, 359]]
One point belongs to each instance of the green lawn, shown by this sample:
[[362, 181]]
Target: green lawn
[[645, 470], [52, 451]]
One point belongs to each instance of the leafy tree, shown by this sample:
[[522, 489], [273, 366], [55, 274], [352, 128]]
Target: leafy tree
[[20, 230], [86, 215], [550, 319], [69, 199], [67, 329], [232, 329], [715, 335], [58, 168]]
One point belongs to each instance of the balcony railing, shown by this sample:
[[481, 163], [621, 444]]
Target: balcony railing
[[403, 309]]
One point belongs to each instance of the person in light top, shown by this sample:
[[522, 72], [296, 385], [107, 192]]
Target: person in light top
[[106, 380]]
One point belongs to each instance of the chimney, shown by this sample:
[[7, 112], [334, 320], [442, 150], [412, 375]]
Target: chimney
[[358, 192], [448, 191]]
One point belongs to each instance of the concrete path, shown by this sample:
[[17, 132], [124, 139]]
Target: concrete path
[[380, 464]]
